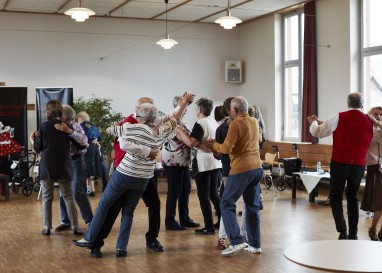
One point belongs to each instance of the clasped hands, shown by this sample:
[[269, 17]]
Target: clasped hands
[[209, 143]]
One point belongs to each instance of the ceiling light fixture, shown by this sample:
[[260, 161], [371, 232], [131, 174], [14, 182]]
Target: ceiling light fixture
[[167, 43], [228, 22], [79, 14]]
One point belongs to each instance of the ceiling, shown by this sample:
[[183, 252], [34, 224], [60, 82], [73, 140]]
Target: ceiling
[[206, 11]]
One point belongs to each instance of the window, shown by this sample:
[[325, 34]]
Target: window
[[292, 91], [371, 53]]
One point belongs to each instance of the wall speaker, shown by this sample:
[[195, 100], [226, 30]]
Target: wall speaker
[[233, 71]]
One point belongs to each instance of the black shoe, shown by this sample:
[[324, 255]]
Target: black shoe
[[77, 231], [46, 232], [62, 227], [352, 237], [155, 245], [217, 225], [205, 231], [91, 194], [175, 226], [120, 253], [190, 224], [82, 244], [343, 236], [96, 252]]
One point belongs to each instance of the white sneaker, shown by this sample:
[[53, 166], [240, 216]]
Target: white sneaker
[[253, 250], [232, 249]]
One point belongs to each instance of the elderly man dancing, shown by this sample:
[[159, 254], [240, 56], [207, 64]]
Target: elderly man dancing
[[242, 145]]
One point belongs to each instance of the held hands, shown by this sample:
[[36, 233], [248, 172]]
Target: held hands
[[209, 143], [188, 98], [153, 154]]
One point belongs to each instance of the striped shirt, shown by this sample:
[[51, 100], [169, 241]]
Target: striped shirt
[[136, 165]]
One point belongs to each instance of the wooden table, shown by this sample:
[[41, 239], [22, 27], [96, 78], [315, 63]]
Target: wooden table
[[338, 255]]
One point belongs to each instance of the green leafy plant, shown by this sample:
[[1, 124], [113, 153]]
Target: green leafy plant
[[101, 115]]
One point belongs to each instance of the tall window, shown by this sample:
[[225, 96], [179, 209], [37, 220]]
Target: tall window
[[371, 52], [293, 32]]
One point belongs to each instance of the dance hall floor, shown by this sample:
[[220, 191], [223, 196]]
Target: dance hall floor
[[284, 222]]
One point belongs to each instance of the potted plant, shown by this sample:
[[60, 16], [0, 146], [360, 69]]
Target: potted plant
[[101, 115]]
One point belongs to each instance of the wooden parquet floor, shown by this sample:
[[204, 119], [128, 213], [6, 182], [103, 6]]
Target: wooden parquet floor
[[283, 223]]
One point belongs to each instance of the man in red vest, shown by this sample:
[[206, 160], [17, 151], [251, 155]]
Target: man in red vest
[[352, 132]]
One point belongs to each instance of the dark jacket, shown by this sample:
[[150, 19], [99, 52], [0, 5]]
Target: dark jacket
[[54, 146]]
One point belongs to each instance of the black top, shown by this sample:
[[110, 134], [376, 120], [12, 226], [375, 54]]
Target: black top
[[54, 146], [197, 132]]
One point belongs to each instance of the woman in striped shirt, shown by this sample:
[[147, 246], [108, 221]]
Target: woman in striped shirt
[[133, 172]]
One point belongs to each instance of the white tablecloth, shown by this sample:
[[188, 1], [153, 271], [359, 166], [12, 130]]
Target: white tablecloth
[[311, 179]]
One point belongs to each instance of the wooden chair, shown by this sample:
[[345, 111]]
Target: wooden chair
[[267, 168]]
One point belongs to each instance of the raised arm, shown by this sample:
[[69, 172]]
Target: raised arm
[[322, 129]]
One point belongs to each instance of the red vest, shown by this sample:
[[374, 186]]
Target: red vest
[[352, 137], [119, 154]]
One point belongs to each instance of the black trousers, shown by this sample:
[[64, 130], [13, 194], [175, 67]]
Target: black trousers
[[152, 201], [351, 175], [178, 191], [206, 183]]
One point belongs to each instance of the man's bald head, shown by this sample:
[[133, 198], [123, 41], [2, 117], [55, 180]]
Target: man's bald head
[[355, 100]]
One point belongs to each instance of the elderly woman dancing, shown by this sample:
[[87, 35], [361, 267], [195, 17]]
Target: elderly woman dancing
[[133, 173]]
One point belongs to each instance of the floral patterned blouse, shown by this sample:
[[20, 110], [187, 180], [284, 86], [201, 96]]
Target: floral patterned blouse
[[175, 152]]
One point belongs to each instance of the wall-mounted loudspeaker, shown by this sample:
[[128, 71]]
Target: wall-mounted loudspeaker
[[233, 72]]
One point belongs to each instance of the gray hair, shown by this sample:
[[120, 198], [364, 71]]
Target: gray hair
[[355, 100], [68, 112], [257, 114], [205, 106], [148, 111], [240, 104], [175, 101]]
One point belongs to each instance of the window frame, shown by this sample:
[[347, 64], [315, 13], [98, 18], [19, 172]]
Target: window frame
[[365, 52], [290, 64]]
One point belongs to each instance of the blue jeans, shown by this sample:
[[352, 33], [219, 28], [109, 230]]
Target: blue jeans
[[119, 184], [79, 193], [237, 185]]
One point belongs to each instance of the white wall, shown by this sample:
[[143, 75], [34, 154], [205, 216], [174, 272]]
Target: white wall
[[44, 50], [338, 65], [259, 46]]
